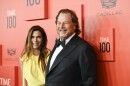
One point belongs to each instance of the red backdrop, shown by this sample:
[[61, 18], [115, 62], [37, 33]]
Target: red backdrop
[[104, 24]]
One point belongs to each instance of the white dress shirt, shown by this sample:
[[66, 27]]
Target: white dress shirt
[[58, 50]]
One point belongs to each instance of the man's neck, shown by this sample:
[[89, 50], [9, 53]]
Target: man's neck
[[68, 39]]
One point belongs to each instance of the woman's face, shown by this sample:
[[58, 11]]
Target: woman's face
[[36, 39]]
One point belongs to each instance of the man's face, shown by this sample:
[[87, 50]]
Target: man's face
[[65, 27]]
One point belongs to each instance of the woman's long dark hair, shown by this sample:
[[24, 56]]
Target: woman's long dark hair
[[43, 50]]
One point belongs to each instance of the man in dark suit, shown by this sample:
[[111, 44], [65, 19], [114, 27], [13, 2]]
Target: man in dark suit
[[72, 63]]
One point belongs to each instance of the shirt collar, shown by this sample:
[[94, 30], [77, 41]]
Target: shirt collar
[[69, 38]]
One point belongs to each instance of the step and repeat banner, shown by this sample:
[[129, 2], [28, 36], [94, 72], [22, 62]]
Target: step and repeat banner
[[17, 17], [104, 24]]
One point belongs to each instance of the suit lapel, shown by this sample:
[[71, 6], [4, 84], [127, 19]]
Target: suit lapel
[[62, 55], [67, 49], [48, 65]]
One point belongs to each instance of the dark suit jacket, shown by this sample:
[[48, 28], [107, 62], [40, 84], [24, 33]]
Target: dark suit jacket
[[75, 65]]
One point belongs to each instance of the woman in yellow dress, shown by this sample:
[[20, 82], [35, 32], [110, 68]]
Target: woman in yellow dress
[[34, 57]]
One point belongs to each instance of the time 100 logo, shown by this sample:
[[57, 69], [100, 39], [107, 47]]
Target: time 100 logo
[[33, 2], [104, 44], [11, 19]]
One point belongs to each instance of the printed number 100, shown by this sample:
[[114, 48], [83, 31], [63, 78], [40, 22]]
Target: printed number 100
[[104, 47], [11, 22], [32, 2]]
